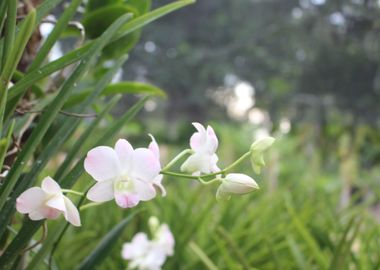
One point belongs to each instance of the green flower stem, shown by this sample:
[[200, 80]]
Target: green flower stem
[[237, 162], [89, 205], [188, 176], [213, 181], [177, 158], [195, 177], [73, 192]]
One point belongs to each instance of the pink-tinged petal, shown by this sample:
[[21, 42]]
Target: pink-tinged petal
[[212, 140], [198, 139], [71, 214], [56, 202], [44, 212], [37, 215], [126, 200], [124, 151], [144, 190], [50, 186], [102, 163], [153, 146], [146, 166], [101, 192], [30, 200]]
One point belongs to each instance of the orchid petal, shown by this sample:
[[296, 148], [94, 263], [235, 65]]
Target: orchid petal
[[50, 186], [153, 146], [212, 142], [157, 182], [137, 247], [126, 199], [198, 139], [145, 165], [144, 190], [56, 202], [71, 214], [30, 200], [101, 192], [124, 151], [102, 163]]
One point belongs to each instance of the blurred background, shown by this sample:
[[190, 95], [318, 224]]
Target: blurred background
[[303, 71]]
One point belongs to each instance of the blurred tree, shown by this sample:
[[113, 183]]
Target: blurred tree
[[293, 53]]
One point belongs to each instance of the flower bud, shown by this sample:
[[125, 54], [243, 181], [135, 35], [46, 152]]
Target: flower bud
[[257, 150], [262, 145], [235, 183], [154, 224]]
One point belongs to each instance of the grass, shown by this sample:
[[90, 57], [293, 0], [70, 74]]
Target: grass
[[294, 221]]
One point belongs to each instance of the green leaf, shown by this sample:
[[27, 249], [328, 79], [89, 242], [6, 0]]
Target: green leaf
[[105, 246], [4, 143], [203, 256], [118, 88], [317, 254], [10, 28], [97, 21], [151, 16], [13, 56]]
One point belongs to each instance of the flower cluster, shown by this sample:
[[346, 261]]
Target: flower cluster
[[145, 254], [129, 176], [203, 161]]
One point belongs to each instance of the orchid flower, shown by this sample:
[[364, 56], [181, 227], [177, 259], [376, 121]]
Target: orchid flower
[[47, 202], [235, 183], [145, 254], [125, 174], [204, 144]]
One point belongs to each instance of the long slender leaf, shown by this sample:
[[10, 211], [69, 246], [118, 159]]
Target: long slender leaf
[[105, 246], [309, 240], [3, 11], [11, 54], [48, 117], [202, 256], [10, 28], [151, 16], [5, 142], [118, 88]]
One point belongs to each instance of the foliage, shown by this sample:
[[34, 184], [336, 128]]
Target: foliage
[[34, 90]]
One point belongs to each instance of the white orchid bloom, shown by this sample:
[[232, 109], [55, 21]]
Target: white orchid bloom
[[145, 254], [204, 144], [47, 202], [125, 174]]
